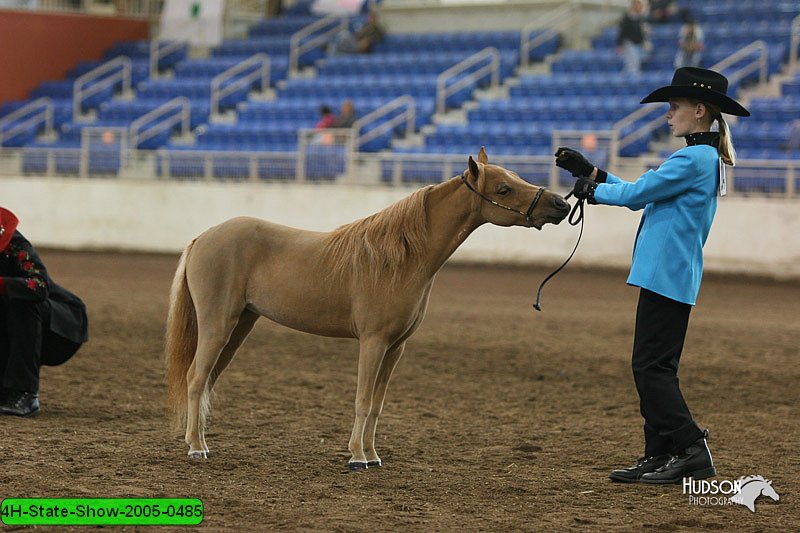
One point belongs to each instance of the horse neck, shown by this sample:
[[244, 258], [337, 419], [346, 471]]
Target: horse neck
[[453, 214]]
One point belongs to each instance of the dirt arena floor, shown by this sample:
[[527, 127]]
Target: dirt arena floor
[[499, 418]]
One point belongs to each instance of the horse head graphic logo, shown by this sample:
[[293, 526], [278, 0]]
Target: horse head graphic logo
[[751, 488]]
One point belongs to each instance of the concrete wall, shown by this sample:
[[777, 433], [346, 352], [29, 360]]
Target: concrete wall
[[412, 16], [754, 236]]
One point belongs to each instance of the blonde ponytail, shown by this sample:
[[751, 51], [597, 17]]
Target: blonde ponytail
[[726, 151]]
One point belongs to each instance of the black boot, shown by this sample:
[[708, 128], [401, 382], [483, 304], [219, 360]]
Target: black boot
[[642, 466], [695, 461], [20, 404]]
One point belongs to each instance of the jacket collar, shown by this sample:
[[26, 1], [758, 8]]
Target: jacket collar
[[710, 138]]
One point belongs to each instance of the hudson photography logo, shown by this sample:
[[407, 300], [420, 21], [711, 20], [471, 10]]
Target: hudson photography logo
[[743, 491]]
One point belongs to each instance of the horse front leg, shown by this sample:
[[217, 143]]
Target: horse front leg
[[388, 365], [370, 356]]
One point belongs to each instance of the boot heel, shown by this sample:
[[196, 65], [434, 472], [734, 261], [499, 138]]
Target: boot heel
[[705, 473]]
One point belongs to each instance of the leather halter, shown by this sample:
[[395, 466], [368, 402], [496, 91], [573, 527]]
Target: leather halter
[[527, 214]]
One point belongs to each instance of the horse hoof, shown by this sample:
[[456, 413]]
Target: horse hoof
[[357, 467], [374, 464], [198, 455]]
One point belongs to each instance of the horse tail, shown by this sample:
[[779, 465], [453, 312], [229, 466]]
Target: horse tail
[[181, 340]]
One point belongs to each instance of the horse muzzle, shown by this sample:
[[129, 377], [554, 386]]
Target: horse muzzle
[[554, 209]]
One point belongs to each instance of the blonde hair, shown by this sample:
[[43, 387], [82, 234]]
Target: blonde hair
[[726, 150]]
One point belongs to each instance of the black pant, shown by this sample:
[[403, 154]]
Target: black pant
[[660, 331], [21, 327]]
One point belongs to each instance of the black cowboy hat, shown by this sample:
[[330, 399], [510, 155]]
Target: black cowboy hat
[[699, 84]]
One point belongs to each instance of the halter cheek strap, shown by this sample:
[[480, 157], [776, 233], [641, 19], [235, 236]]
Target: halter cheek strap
[[527, 214]]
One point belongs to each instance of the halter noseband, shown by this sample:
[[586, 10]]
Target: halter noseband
[[526, 214]]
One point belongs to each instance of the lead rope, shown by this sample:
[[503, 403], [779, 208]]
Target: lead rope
[[573, 221]]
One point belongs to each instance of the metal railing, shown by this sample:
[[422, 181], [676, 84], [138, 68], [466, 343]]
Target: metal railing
[[44, 114], [82, 90], [644, 129], [142, 128], [759, 64], [552, 22], [218, 92], [443, 90], [794, 43], [297, 48], [104, 150], [773, 178], [160, 49], [408, 117]]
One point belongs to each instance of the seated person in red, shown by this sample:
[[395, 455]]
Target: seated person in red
[[40, 322], [326, 118]]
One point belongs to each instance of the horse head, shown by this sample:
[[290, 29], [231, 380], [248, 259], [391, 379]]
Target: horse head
[[751, 488], [510, 200]]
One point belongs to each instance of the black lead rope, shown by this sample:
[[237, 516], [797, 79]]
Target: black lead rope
[[575, 216]]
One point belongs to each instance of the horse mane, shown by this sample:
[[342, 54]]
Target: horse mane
[[380, 246], [748, 479]]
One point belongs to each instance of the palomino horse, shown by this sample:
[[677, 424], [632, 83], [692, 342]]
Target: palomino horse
[[368, 280]]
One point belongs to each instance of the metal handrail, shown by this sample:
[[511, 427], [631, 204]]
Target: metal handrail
[[408, 116], [157, 52], [551, 21], [761, 64], [443, 91], [643, 130], [647, 128], [296, 49], [794, 42], [263, 73], [138, 133], [80, 92], [34, 120]]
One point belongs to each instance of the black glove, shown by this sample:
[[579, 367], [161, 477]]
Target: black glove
[[573, 162], [584, 190]]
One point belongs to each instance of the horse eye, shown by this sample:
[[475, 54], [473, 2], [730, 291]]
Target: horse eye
[[503, 189]]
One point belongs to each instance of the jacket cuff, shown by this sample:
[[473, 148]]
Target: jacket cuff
[[601, 176]]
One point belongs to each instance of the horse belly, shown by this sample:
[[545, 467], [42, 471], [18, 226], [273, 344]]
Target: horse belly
[[303, 308], [304, 322]]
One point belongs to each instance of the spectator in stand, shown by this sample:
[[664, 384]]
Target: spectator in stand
[[663, 11], [690, 43], [632, 37], [327, 118], [362, 41], [347, 115]]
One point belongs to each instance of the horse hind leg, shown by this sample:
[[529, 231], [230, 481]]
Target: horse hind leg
[[243, 328], [212, 339], [388, 365]]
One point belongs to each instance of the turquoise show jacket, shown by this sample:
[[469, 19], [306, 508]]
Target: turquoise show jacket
[[679, 200]]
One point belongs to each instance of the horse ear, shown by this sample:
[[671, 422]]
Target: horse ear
[[482, 157], [473, 168]]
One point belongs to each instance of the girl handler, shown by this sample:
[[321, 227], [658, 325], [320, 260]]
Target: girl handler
[[679, 201]]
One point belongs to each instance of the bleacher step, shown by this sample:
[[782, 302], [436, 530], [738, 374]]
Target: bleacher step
[[409, 141]]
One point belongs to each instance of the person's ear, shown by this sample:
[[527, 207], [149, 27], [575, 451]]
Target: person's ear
[[700, 111]]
